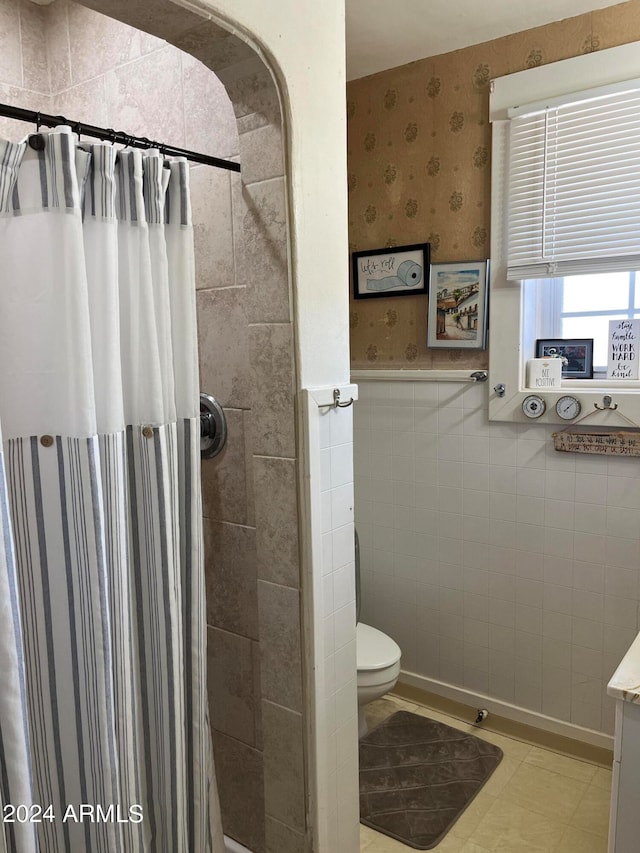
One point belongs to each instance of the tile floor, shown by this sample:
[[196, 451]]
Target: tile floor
[[537, 801]]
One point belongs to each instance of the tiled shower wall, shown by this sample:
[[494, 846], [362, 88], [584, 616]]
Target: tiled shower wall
[[499, 565], [68, 59]]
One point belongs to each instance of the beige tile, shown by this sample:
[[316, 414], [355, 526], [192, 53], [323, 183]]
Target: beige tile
[[472, 816], [136, 104], [283, 839], [214, 47], [381, 709], [223, 340], [280, 652], [543, 792], [509, 828], [248, 467], [576, 841], [376, 842], [262, 249], [210, 123], [471, 847], [253, 93], [85, 102], [602, 779], [163, 18], [257, 692], [501, 776], [212, 227], [35, 67], [10, 58], [57, 37], [562, 764], [17, 130], [276, 507], [230, 685], [230, 572], [261, 154], [284, 765], [512, 748], [272, 361], [592, 814], [240, 774], [224, 481], [99, 44]]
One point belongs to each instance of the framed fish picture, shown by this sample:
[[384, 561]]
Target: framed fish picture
[[396, 271]]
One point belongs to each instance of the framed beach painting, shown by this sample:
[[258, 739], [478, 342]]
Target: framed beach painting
[[457, 316], [394, 271]]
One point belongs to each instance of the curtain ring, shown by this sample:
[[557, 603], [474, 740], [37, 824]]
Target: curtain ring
[[77, 128], [38, 122]]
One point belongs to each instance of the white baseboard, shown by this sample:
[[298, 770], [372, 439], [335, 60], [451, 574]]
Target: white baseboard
[[505, 709]]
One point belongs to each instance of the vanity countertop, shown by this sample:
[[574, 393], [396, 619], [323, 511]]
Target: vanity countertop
[[625, 681]]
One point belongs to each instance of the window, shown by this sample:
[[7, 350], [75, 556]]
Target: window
[[581, 307], [565, 237]]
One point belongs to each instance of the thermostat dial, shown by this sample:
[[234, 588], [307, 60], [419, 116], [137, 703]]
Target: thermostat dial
[[568, 408], [534, 406]]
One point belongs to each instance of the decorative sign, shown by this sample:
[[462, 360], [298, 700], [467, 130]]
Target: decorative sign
[[625, 443], [624, 336], [544, 373]]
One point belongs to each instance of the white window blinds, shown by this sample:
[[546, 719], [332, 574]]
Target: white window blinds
[[574, 186]]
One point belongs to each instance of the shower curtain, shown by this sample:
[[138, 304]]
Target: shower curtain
[[104, 736]]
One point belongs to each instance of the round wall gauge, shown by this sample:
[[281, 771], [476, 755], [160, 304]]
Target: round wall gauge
[[533, 406], [568, 408]]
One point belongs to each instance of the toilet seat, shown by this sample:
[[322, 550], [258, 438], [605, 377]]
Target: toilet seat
[[375, 650]]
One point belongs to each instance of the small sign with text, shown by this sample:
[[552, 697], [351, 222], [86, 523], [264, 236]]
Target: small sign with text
[[624, 338]]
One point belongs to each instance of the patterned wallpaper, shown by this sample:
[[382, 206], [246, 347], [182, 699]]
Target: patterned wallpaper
[[419, 159]]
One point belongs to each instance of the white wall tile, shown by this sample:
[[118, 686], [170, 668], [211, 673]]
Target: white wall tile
[[560, 485], [530, 481], [450, 394], [426, 394], [590, 518], [559, 514], [341, 465], [622, 552], [591, 488], [402, 419], [449, 421], [588, 576], [588, 605], [503, 479], [622, 522], [529, 510], [503, 565], [588, 547], [401, 393]]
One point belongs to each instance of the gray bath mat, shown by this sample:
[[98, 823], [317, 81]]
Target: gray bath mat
[[417, 776]]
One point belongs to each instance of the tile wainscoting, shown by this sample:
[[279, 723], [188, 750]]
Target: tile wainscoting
[[501, 567]]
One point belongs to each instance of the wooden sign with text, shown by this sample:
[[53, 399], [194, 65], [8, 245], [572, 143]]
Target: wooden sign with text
[[621, 443]]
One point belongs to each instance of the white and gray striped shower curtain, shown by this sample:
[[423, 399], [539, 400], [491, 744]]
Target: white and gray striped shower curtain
[[104, 736]]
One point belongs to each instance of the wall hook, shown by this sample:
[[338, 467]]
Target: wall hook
[[336, 400], [606, 404]]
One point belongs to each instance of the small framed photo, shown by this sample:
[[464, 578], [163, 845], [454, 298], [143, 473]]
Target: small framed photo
[[458, 305], [391, 272], [576, 355]]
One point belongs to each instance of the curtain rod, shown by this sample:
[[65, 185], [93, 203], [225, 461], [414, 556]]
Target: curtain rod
[[108, 134]]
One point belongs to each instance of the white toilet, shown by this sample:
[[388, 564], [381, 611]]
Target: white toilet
[[378, 658]]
